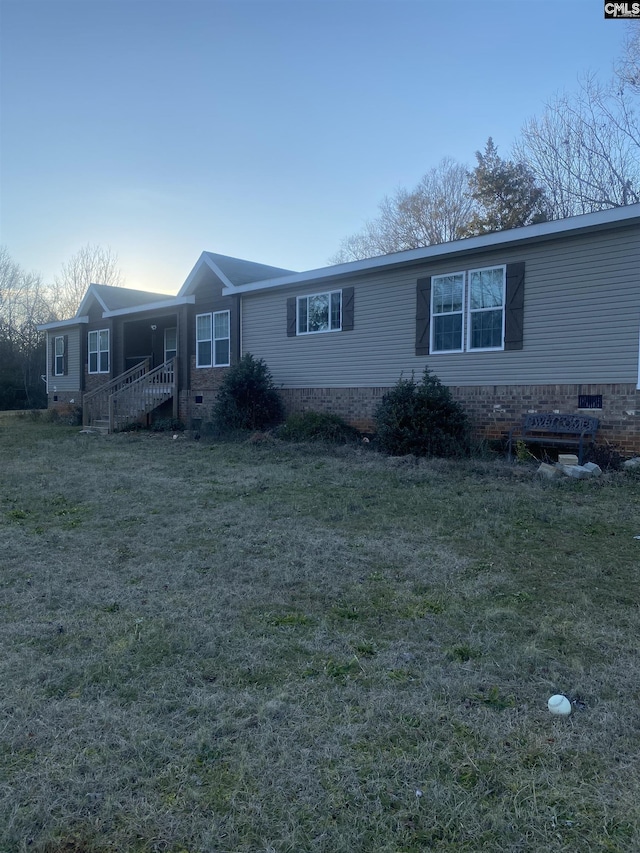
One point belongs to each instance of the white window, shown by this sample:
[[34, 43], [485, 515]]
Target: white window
[[486, 308], [99, 351], [321, 312], [213, 339], [478, 295], [221, 338], [170, 343], [203, 340], [447, 312], [58, 368]]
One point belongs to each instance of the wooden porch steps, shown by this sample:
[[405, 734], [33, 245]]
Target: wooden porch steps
[[130, 397]]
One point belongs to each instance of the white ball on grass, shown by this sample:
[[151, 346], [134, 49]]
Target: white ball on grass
[[560, 705]]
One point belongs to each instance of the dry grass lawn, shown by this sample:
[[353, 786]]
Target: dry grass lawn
[[253, 648]]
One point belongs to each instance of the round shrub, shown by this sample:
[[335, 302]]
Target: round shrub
[[317, 426], [247, 398], [421, 418]]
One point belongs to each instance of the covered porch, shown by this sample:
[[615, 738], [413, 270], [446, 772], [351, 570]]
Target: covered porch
[[148, 366]]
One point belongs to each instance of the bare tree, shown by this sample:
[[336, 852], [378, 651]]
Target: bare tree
[[585, 149], [628, 68], [23, 305], [90, 265], [10, 274], [437, 210]]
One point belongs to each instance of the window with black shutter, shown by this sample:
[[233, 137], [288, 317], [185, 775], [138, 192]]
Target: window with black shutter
[[316, 313], [489, 317]]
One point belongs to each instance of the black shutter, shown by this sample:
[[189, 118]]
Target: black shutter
[[423, 315], [53, 355], [291, 317], [65, 360], [514, 315], [347, 309]]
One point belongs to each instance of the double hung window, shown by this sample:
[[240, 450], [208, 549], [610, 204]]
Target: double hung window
[[99, 351], [58, 368], [213, 339], [478, 296], [447, 296], [486, 308]]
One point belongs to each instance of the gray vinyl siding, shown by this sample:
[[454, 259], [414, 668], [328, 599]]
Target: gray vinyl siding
[[71, 380], [581, 321]]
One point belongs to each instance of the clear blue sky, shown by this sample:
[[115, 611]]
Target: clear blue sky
[[266, 130]]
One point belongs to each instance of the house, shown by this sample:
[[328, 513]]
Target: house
[[540, 318]]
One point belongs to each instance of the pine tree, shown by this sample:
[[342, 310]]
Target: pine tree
[[505, 192]]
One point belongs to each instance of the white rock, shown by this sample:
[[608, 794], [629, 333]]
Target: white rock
[[549, 471], [595, 470], [578, 472]]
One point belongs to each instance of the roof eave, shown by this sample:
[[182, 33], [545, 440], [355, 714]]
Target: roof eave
[[204, 261], [174, 302], [91, 292], [527, 233], [61, 324]]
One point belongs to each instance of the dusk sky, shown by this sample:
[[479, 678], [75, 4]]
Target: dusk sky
[[265, 130]]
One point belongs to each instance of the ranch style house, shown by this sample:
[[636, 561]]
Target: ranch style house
[[543, 318]]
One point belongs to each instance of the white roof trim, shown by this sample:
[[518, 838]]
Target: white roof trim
[[555, 228], [223, 278], [61, 324], [205, 260], [91, 291], [151, 306]]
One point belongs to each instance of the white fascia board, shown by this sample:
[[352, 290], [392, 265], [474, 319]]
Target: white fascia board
[[91, 291], [227, 282], [555, 228], [173, 302], [204, 260], [62, 324]]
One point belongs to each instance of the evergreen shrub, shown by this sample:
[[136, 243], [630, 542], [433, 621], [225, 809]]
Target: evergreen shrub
[[247, 398], [421, 418]]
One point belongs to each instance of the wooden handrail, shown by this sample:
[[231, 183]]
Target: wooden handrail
[[122, 377], [91, 398], [134, 393], [143, 394]]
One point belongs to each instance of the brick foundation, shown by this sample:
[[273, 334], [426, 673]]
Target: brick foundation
[[205, 382], [62, 400], [95, 380], [355, 405], [493, 409]]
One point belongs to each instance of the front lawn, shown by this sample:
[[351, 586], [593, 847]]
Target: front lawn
[[253, 648]]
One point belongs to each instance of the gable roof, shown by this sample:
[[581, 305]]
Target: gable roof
[[116, 298], [232, 272], [241, 272]]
